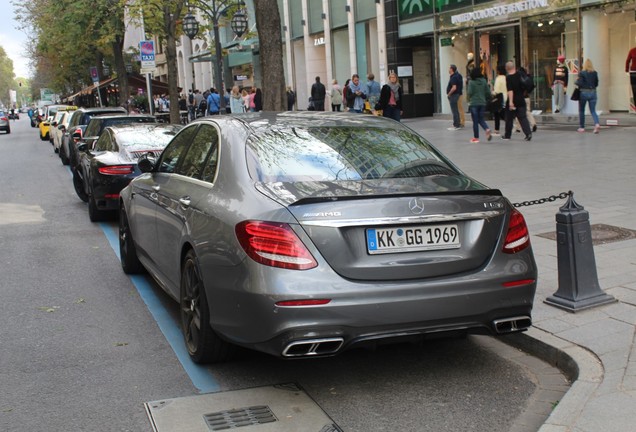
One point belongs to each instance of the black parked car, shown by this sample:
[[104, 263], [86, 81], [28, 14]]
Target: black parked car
[[78, 122], [111, 164]]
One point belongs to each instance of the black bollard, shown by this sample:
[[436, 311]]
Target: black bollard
[[578, 283]]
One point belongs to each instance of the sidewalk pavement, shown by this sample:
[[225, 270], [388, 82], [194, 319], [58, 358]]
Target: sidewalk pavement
[[596, 348]]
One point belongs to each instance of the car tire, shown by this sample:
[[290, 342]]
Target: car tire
[[127, 251], [202, 343], [78, 184], [63, 156], [95, 214]]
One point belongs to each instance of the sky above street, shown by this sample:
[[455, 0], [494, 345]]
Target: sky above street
[[12, 39]]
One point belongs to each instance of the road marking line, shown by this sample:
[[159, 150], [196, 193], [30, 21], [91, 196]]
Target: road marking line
[[201, 376]]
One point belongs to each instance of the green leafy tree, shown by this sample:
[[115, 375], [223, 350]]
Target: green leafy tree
[[6, 76]]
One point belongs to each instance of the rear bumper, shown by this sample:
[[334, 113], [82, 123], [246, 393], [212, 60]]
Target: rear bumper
[[106, 195], [360, 313]]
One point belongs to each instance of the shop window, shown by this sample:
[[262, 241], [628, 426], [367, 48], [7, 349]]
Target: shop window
[[365, 10], [296, 19], [314, 10], [338, 15]]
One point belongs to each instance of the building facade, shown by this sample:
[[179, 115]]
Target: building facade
[[531, 33]]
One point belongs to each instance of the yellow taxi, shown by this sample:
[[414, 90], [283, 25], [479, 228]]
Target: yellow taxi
[[47, 118]]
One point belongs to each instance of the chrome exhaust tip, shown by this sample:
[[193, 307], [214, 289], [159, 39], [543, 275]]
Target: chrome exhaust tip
[[313, 347], [514, 324]]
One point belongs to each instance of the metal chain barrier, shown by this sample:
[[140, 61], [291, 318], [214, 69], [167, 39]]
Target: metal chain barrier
[[551, 198]]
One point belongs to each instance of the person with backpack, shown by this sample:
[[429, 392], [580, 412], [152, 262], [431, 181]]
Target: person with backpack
[[528, 85], [214, 102], [478, 95], [191, 106], [516, 102]]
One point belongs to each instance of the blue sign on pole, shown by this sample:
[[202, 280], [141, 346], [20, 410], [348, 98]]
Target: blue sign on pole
[[94, 74], [147, 54]]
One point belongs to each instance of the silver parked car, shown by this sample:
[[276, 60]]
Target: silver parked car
[[304, 234]]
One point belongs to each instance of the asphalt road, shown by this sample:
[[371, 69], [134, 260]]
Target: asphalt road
[[83, 346]]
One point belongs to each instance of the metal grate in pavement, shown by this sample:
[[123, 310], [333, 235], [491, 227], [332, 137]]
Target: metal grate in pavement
[[601, 234], [236, 418]]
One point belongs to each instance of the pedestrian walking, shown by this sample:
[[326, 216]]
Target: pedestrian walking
[[515, 103], [258, 100], [454, 91], [214, 102], [345, 89], [587, 83], [355, 95], [500, 93], [191, 106], [336, 96], [246, 99], [526, 96], [478, 95], [372, 92], [560, 83], [291, 98], [236, 101], [318, 93], [390, 101]]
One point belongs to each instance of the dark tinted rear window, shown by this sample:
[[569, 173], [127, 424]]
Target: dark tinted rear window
[[95, 128], [342, 153]]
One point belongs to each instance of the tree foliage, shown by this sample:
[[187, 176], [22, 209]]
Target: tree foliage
[[6, 76]]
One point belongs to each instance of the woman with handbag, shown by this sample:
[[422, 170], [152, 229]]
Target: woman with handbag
[[500, 92], [587, 84]]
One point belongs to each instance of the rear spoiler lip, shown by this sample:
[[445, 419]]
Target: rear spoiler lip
[[315, 200]]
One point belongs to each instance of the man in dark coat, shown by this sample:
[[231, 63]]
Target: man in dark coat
[[318, 93]]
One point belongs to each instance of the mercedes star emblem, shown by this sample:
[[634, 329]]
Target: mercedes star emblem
[[416, 206]]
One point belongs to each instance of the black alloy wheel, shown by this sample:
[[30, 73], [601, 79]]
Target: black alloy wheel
[[78, 184], [204, 346], [127, 251]]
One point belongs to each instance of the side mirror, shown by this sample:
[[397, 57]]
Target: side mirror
[[82, 147], [146, 163], [77, 136]]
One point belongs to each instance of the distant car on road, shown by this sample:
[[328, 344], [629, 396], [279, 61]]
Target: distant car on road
[[109, 166], [305, 234], [74, 132], [5, 125]]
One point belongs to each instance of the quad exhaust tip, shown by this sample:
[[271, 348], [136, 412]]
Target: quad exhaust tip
[[313, 347], [514, 324]]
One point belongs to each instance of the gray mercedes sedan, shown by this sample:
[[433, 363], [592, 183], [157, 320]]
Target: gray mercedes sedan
[[305, 234]]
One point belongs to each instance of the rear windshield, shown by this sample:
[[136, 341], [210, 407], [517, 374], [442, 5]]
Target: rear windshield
[[342, 153], [96, 127]]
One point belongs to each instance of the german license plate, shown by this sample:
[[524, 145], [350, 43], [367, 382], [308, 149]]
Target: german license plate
[[412, 239]]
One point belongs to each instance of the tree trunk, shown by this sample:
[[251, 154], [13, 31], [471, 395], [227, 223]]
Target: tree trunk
[[170, 17], [271, 55], [120, 68]]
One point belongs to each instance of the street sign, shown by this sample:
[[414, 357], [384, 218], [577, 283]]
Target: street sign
[[147, 54], [94, 74]]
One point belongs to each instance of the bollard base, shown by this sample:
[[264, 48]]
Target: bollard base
[[579, 305]]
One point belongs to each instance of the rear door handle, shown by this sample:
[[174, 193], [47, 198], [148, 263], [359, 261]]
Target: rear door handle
[[156, 188], [185, 201]]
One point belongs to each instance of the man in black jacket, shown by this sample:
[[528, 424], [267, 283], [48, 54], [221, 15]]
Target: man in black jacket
[[318, 93]]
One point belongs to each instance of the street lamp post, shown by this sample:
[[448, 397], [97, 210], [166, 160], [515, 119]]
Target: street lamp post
[[214, 10]]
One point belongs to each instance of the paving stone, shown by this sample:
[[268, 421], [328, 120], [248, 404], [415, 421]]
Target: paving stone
[[588, 333]]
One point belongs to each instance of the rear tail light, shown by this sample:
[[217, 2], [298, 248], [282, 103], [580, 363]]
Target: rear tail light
[[519, 282], [4, 118], [518, 237], [274, 244], [116, 170], [308, 302]]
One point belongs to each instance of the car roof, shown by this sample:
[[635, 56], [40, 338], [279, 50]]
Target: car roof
[[124, 128], [261, 122], [105, 110], [115, 116]]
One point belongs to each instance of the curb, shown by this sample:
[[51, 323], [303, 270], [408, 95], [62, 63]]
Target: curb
[[580, 366]]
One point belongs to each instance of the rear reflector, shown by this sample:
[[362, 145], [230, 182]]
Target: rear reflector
[[116, 170], [314, 302], [518, 283], [111, 196], [274, 244], [518, 237]]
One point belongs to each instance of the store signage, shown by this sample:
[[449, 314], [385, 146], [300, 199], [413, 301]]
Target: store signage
[[446, 42], [499, 10], [240, 77], [319, 41]]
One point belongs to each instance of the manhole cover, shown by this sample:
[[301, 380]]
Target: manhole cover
[[601, 234], [279, 408]]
